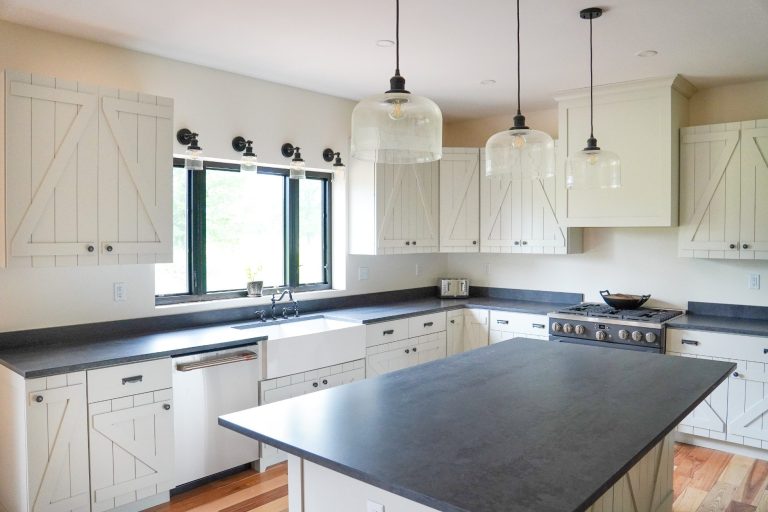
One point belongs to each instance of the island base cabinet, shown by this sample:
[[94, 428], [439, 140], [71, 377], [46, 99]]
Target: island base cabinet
[[398, 355]]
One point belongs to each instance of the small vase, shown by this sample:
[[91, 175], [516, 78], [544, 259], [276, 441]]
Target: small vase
[[254, 288]]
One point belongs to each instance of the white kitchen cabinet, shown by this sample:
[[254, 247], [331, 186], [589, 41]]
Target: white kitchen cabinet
[[393, 209], [406, 353], [467, 330], [454, 332], [639, 121], [460, 200], [87, 174], [283, 388], [506, 324], [520, 216], [724, 191], [130, 435]]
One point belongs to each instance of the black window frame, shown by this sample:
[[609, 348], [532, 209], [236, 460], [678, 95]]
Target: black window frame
[[196, 235]]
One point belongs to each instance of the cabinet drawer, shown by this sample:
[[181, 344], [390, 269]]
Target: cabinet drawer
[[386, 332], [128, 379], [718, 344], [426, 324], [521, 323]]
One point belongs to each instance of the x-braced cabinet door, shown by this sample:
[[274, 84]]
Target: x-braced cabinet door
[[51, 180], [540, 230], [57, 443], [135, 177], [754, 190], [131, 440], [500, 226], [748, 405], [709, 417], [710, 191], [460, 200], [407, 198]]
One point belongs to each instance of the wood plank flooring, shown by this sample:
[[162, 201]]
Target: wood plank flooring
[[704, 481]]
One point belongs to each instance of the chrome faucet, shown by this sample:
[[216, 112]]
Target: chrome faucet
[[294, 310], [261, 315]]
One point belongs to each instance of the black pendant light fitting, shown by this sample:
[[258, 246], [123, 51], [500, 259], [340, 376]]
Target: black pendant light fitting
[[397, 82], [519, 119], [241, 145], [591, 13]]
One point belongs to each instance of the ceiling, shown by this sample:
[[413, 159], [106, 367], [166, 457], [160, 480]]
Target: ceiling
[[447, 46]]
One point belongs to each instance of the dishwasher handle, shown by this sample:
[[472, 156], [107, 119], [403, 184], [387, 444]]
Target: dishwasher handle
[[235, 358]]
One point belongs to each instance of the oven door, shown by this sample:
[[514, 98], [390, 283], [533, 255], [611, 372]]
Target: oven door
[[595, 343]]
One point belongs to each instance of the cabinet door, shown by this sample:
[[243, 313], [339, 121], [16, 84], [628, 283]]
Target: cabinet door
[[57, 443], [455, 333], [407, 199], [131, 440], [50, 171], [430, 348], [748, 405], [754, 190], [500, 226], [540, 230], [496, 336], [710, 191], [388, 358], [709, 417], [460, 200], [475, 328]]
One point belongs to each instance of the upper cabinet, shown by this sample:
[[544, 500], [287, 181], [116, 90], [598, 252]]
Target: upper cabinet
[[393, 209], [87, 174], [724, 191], [639, 121], [460, 200], [520, 216]]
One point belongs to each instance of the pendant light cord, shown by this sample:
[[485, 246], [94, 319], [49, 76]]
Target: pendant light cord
[[397, 37], [591, 100], [518, 57]]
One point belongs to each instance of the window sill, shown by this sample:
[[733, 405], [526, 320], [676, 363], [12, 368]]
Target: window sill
[[236, 300]]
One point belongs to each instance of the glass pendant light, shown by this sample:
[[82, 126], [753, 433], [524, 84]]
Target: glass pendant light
[[520, 152], [592, 167], [297, 169], [397, 127], [193, 156], [249, 161]]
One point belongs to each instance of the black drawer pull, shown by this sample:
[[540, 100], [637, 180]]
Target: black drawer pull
[[690, 342], [502, 322], [131, 380], [388, 331], [414, 349], [453, 321], [538, 326], [325, 381], [735, 374], [39, 399], [765, 351], [314, 384], [429, 324], [407, 351], [167, 407]]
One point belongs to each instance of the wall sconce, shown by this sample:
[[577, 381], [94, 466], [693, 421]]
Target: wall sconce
[[248, 162], [297, 170], [338, 166], [193, 157]]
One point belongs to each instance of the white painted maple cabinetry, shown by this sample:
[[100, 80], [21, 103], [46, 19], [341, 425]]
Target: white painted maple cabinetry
[[467, 329], [737, 410], [724, 191], [505, 325], [87, 174], [399, 344], [460, 200]]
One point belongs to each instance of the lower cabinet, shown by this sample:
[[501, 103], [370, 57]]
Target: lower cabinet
[[467, 330], [737, 410], [282, 388], [397, 355], [505, 325]]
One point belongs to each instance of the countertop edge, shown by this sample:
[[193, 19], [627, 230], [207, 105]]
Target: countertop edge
[[684, 325]]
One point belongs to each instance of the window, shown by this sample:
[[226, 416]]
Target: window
[[228, 224]]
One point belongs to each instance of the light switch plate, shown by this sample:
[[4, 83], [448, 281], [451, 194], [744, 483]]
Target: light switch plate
[[754, 281], [120, 292], [372, 506], [362, 273]]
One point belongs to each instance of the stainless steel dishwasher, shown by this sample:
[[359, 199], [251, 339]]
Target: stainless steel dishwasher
[[206, 386]]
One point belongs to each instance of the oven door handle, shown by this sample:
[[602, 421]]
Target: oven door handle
[[236, 358]]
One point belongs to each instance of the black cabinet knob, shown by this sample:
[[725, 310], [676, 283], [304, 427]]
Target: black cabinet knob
[[39, 398], [414, 349], [517, 242], [525, 242], [314, 384], [732, 246], [735, 374], [474, 242], [414, 242], [167, 407], [91, 248], [407, 351], [745, 246], [325, 381], [407, 243], [108, 248]]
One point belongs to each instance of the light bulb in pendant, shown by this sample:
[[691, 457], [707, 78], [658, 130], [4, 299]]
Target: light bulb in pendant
[[518, 141], [397, 109]]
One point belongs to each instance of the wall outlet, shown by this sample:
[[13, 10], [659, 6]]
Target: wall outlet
[[754, 282], [372, 506], [418, 269], [362, 273], [120, 292]]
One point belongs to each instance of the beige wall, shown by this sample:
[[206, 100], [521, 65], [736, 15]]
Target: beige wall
[[220, 106], [629, 260]]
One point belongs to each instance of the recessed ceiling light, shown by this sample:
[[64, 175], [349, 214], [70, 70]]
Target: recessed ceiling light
[[487, 82], [647, 53], [385, 43]]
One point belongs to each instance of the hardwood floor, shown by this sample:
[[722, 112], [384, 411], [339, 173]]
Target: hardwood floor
[[704, 481], [248, 491]]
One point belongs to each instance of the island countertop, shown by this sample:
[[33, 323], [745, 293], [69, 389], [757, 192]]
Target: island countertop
[[526, 424]]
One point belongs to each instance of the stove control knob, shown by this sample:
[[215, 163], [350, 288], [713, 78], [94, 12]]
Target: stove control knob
[[600, 335], [623, 334], [637, 336], [650, 337], [580, 330], [556, 327], [568, 328]]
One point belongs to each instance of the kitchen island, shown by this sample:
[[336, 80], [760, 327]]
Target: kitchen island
[[521, 425]]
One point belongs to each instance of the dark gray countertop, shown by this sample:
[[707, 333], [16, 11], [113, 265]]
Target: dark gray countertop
[[733, 325], [32, 354], [524, 425]]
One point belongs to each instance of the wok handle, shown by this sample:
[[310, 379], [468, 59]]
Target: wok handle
[[603, 293]]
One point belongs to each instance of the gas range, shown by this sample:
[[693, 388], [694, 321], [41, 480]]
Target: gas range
[[602, 325]]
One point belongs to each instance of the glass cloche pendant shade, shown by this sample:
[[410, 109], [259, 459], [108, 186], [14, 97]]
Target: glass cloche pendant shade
[[593, 168], [520, 153], [397, 128]]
